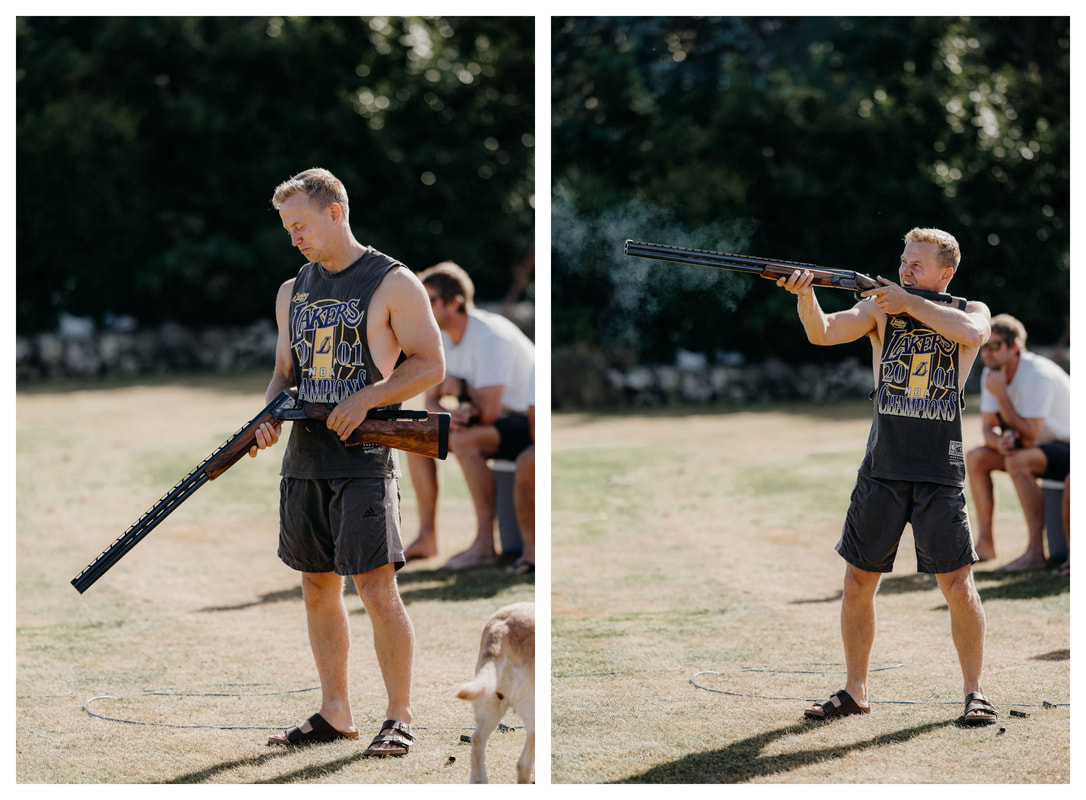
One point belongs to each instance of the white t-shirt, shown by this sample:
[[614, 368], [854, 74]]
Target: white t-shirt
[[1040, 389], [493, 352]]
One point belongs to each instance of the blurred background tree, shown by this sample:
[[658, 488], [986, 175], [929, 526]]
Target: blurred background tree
[[813, 139], [148, 149]]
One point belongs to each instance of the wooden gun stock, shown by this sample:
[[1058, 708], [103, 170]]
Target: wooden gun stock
[[425, 434]]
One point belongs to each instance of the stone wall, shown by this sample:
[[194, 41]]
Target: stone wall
[[77, 349], [578, 380], [85, 353], [584, 381]]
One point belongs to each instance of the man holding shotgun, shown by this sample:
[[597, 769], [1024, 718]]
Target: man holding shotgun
[[356, 332], [914, 468]]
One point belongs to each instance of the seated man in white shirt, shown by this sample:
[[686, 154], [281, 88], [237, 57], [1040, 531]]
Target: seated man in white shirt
[[488, 365], [1025, 411]]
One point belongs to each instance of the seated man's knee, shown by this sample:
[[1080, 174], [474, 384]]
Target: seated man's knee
[[982, 458], [525, 472], [480, 441], [527, 458], [1026, 462]]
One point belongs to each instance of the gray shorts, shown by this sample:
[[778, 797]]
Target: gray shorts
[[877, 515], [343, 525]]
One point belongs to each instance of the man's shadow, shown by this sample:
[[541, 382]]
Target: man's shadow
[[742, 761]]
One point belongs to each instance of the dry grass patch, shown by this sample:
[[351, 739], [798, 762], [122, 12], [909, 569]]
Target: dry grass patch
[[702, 543], [198, 636]]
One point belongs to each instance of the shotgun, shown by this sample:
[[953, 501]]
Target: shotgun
[[413, 431], [772, 269]]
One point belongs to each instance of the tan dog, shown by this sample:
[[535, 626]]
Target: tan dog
[[504, 678]]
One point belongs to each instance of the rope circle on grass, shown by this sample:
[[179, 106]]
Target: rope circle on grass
[[896, 665], [502, 727], [151, 693], [793, 671]]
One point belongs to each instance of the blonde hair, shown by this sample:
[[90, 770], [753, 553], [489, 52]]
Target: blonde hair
[[320, 186], [949, 251]]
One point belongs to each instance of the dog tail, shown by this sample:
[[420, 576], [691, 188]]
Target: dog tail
[[485, 682]]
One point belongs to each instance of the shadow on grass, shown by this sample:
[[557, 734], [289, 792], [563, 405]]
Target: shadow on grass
[[315, 771], [991, 585], [1026, 585], [268, 598], [308, 773], [438, 584], [449, 585], [742, 761], [203, 775]]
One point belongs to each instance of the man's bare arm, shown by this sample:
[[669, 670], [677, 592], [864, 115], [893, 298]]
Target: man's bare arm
[[970, 327], [283, 372], [1027, 429], [488, 403], [828, 329], [415, 331], [991, 428]]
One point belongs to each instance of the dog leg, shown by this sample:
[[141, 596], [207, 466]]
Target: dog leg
[[527, 756], [478, 752]]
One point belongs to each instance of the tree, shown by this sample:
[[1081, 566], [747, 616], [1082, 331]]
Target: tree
[[148, 149], [811, 139]]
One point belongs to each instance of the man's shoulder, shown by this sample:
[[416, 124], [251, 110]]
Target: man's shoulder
[[1037, 367], [286, 287], [375, 258], [495, 324], [395, 278]]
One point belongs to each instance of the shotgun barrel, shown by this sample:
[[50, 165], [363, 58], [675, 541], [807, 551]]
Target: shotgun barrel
[[771, 269], [404, 429]]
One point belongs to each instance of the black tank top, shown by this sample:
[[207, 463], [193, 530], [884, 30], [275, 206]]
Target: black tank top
[[916, 433], [332, 360]]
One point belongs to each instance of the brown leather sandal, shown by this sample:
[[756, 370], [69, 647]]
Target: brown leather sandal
[[395, 733], [320, 731], [978, 710], [840, 704]]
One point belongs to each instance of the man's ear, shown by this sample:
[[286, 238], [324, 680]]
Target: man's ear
[[335, 213]]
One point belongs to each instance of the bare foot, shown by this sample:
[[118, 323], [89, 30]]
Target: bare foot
[[986, 552], [1025, 561], [474, 556], [423, 547]]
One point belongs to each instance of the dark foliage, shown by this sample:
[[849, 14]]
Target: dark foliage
[[148, 149], [813, 139]]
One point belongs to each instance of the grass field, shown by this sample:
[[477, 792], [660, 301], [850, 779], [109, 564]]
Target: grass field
[[695, 602], [177, 665]]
